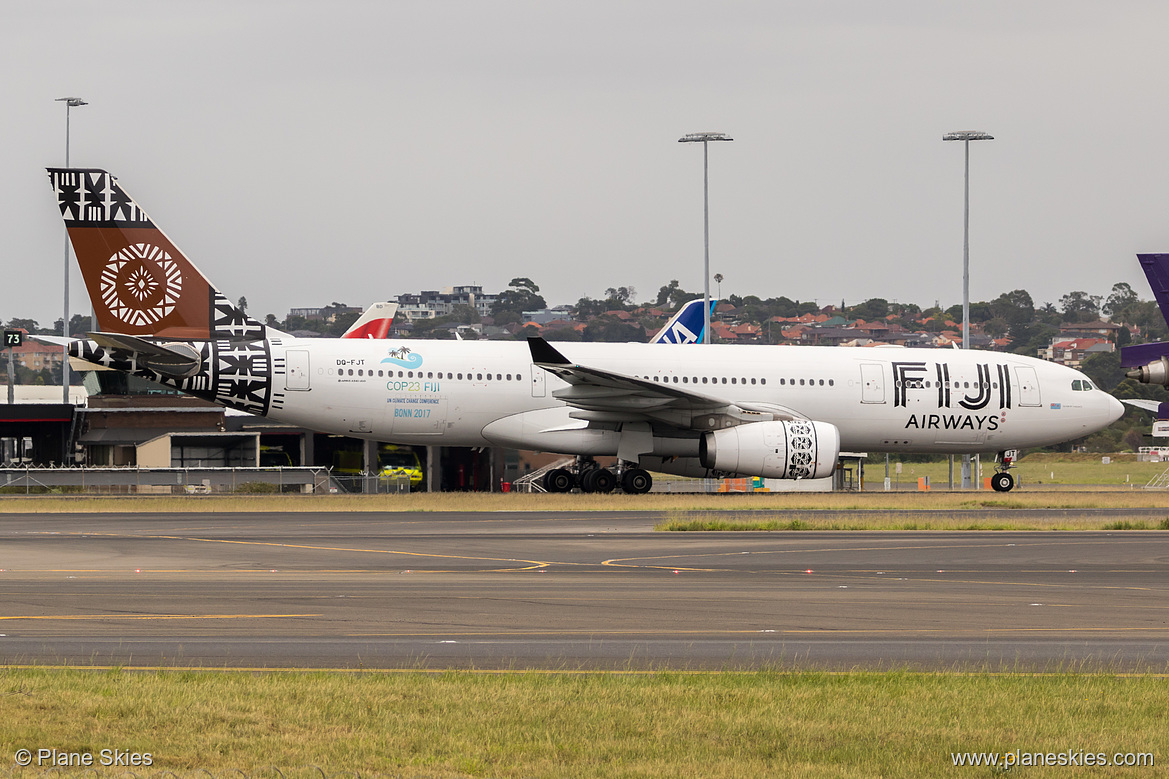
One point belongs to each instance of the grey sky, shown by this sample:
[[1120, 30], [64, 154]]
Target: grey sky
[[304, 152]]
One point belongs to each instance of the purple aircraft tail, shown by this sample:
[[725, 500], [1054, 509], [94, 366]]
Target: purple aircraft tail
[[1150, 362]]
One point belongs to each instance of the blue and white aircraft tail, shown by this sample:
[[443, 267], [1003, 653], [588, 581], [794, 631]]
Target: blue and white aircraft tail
[[685, 327]]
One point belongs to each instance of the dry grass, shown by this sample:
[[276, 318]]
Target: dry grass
[[512, 502], [581, 725]]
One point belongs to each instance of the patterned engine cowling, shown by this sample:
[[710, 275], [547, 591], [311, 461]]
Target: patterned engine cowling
[[799, 449]]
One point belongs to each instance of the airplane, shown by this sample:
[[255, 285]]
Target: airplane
[[782, 412]]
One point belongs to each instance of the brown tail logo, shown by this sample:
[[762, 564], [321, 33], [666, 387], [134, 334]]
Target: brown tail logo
[[139, 281]]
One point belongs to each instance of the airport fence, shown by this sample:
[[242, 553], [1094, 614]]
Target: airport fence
[[167, 481]]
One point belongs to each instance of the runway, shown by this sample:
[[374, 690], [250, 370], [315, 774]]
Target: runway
[[569, 591]]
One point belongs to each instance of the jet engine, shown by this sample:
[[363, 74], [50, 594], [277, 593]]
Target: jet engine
[[1156, 372], [799, 449]]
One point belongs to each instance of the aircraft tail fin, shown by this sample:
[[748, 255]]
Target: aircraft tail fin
[[1150, 362], [686, 326], [1156, 268], [374, 323], [140, 283]]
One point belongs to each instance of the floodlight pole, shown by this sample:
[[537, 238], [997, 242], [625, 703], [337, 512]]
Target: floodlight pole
[[704, 139], [70, 102], [966, 136]]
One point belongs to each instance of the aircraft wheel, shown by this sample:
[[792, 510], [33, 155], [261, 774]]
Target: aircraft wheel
[[636, 481], [558, 480], [603, 480], [1002, 482], [588, 481]]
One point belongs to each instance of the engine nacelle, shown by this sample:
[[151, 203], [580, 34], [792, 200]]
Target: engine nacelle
[[799, 449], [1156, 372]]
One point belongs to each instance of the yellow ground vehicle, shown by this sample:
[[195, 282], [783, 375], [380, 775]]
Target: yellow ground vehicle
[[396, 462]]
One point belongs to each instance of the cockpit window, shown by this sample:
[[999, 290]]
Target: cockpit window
[[1087, 386], [1081, 385]]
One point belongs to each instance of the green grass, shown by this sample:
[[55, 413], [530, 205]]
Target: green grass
[[1033, 470], [663, 724], [680, 521]]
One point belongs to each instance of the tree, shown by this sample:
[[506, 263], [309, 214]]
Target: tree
[[995, 328], [24, 324], [620, 298], [666, 292], [242, 305], [521, 295], [1079, 306], [673, 296], [1014, 307], [873, 308], [1121, 298]]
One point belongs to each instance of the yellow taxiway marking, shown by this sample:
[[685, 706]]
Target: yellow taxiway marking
[[313, 547], [53, 617]]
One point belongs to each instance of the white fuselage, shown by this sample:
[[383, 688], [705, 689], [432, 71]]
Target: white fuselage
[[881, 399]]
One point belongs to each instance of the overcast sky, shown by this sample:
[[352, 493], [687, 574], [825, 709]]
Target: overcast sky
[[302, 153]]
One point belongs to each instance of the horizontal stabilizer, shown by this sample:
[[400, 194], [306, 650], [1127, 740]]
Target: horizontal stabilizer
[[56, 340], [170, 359]]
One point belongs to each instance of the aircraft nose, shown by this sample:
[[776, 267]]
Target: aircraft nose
[[1115, 409]]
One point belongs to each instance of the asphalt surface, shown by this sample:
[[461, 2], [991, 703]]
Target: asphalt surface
[[569, 591]]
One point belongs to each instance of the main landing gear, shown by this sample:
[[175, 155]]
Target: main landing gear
[[590, 477], [1003, 481]]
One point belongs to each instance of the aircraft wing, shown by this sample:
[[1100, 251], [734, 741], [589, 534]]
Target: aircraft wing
[[603, 396]]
